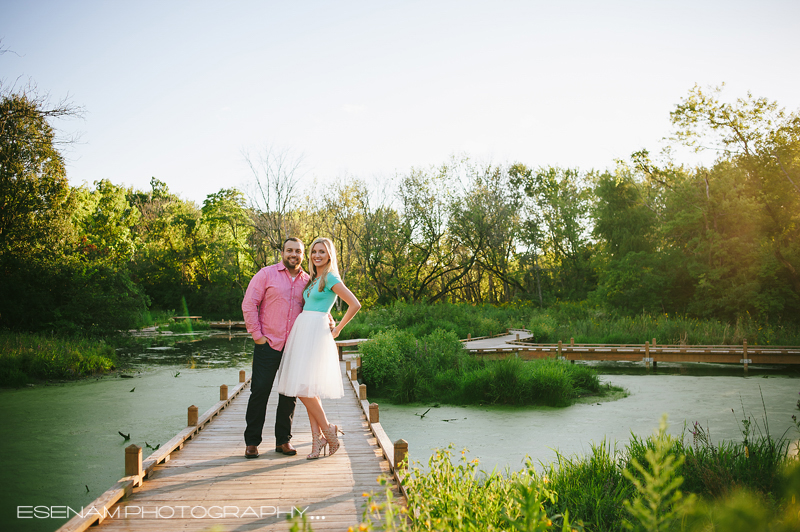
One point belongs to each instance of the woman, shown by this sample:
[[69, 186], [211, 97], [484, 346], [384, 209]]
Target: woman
[[310, 365]]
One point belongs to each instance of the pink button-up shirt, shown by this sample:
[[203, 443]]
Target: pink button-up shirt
[[272, 303]]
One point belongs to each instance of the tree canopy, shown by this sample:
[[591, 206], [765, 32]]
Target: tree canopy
[[650, 235]]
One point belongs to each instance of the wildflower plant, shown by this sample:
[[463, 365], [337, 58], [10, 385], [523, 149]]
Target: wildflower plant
[[658, 503]]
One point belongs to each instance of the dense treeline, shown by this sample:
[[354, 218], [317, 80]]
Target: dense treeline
[[648, 236]]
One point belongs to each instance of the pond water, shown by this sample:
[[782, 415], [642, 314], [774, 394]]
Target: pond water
[[502, 437], [61, 446]]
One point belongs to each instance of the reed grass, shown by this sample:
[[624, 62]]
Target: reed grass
[[566, 320], [28, 357], [185, 326], [647, 485]]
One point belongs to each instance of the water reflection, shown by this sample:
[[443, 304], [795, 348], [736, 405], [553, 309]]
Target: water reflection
[[198, 350]]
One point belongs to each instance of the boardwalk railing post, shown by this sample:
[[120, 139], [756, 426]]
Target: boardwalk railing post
[[400, 453], [647, 354], [374, 416], [517, 337], [652, 348], [223, 392], [469, 336], [347, 366], [133, 461], [559, 349], [353, 374], [572, 342], [744, 354], [242, 376], [362, 392], [192, 416]]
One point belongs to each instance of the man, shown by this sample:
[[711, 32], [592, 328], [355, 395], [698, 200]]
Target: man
[[273, 300]]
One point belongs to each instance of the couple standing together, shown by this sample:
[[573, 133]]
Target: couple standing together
[[287, 311]]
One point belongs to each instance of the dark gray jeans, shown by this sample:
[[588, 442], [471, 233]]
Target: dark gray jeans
[[266, 362]]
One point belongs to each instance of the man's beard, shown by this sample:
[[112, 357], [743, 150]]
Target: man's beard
[[291, 266]]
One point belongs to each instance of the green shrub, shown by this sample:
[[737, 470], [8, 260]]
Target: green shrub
[[26, 357], [436, 367], [543, 329]]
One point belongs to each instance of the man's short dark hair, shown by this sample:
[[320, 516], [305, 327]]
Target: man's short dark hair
[[291, 238]]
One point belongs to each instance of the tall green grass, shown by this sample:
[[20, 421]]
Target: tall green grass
[[150, 318], [648, 485], [27, 357], [405, 368], [421, 319], [566, 320]]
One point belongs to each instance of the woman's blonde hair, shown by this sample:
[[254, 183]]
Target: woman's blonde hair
[[331, 266]]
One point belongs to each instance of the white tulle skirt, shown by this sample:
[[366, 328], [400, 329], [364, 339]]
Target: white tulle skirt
[[310, 363]]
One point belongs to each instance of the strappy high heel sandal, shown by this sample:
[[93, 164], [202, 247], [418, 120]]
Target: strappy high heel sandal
[[318, 446], [332, 437]]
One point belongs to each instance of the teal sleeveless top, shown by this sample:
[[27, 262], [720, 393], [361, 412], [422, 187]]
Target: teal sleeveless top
[[321, 301]]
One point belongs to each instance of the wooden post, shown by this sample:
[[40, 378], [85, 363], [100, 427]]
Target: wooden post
[[374, 415], [340, 349], [347, 366], [559, 349], [192, 416], [647, 354], [358, 361], [572, 342], [517, 337], [744, 354], [353, 374], [242, 376], [223, 392], [469, 337], [362, 392], [654, 343], [400, 452], [133, 461]]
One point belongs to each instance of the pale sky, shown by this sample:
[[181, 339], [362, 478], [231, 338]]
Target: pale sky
[[177, 90]]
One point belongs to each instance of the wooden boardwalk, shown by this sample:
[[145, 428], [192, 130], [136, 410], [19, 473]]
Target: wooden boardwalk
[[516, 343], [210, 485]]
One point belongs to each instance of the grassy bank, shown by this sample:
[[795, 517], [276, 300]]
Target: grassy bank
[[406, 368], [564, 321], [608, 490], [29, 357]]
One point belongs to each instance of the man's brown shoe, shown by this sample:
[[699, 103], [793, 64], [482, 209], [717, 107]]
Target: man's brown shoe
[[251, 451], [286, 449]]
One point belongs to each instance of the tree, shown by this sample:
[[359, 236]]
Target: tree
[[227, 218], [765, 141], [104, 219], [759, 159], [34, 192], [558, 224], [276, 174]]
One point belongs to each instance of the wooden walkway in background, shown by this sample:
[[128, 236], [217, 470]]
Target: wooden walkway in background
[[210, 485], [517, 343]]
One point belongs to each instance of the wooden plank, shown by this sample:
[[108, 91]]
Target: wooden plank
[[101, 504], [204, 466]]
